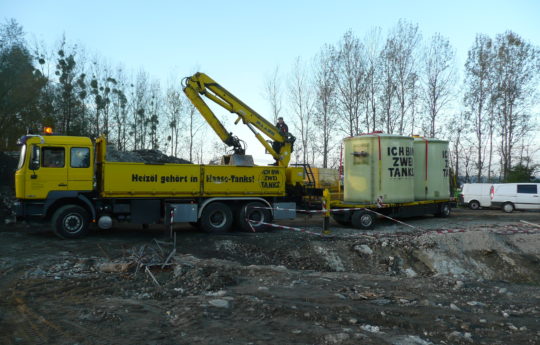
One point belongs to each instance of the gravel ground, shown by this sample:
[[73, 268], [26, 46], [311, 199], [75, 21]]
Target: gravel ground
[[392, 285]]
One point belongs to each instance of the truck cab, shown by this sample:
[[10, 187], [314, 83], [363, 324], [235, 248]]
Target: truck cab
[[52, 169]]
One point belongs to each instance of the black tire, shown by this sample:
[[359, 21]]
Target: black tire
[[254, 211], [70, 222], [444, 211], [342, 218], [363, 219], [508, 207], [216, 218], [474, 205]]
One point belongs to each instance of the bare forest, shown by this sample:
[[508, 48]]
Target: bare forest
[[398, 82]]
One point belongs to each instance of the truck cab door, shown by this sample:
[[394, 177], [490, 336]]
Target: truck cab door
[[81, 170], [48, 171]]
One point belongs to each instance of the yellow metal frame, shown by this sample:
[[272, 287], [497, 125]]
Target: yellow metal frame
[[201, 84]]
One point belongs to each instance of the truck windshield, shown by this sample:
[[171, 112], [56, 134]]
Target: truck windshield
[[21, 157]]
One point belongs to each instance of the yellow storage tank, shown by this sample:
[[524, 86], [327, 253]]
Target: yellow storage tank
[[431, 165], [378, 168]]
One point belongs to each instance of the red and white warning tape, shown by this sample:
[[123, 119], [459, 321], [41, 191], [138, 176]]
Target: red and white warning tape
[[403, 234]]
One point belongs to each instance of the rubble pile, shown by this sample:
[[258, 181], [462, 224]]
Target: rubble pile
[[141, 156]]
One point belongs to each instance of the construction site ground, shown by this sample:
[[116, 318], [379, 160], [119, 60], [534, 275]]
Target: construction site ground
[[392, 285]]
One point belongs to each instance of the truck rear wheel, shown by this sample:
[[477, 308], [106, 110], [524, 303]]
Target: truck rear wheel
[[216, 218], [255, 211], [444, 211], [363, 219], [70, 222]]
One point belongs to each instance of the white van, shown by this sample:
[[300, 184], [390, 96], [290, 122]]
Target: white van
[[476, 195], [516, 196]]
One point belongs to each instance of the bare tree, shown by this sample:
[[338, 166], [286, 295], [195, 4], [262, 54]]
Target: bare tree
[[272, 93], [154, 114], [325, 101], [389, 117], [478, 85], [401, 50], [350, 75], [119, 108], [516, 69], [193, 125], [174, 107], [139, 108], [457, 130], [301, 104], [372, 43], [438, 79]]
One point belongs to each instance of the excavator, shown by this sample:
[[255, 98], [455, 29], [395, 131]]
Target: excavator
[[200, 85]]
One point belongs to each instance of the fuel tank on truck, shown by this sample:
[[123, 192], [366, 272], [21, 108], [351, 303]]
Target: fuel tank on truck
[[431, 166], [378, 168]]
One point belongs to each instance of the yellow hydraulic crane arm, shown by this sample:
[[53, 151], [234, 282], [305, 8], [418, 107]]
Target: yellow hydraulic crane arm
[[201, 84]]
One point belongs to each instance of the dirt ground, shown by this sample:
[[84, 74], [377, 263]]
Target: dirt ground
[[393, 285]]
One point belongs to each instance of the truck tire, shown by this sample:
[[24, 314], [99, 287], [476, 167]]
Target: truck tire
[[444, 211], [216, 218], [474, 205], [342, 218], [70, 222], [255, 211], [508, 207], [363, 219]]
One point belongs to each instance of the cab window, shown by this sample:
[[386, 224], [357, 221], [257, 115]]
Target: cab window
[[52, 157], [35, 158], [80, 157]]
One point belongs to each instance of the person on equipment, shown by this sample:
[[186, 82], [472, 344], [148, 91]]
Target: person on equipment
[[282, 126], [283, 130]]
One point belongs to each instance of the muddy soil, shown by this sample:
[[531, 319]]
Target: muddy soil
[[392, 285]]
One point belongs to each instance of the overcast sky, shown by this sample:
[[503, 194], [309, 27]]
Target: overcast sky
[[239, 43]]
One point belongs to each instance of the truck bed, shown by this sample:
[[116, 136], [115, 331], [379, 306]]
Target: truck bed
[[120, 179]]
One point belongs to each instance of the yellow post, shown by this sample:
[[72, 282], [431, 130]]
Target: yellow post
[[326, 208]]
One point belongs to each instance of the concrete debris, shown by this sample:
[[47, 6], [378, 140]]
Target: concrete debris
[[363, 249], [219, 303], [336, 338]]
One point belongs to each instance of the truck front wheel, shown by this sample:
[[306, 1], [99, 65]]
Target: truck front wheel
[[70, 221], [216, 218]]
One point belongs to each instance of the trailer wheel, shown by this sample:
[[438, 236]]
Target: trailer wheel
[[444, 211], [508, 207], [255, 211], [216, 218], [342, 218], [70, 222], [474, 205], [363, 219]]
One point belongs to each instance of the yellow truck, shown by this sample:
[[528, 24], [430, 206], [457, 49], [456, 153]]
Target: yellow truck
[[68, 182]]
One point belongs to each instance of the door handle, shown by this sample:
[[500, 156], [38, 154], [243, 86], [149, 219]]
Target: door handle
[[62, 185]]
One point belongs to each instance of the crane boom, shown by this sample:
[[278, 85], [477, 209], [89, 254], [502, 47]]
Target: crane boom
[[201, 84]]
